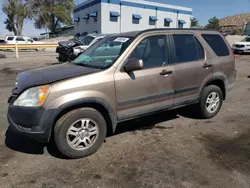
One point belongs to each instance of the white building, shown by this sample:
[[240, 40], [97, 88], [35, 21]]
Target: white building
[[114, 16]]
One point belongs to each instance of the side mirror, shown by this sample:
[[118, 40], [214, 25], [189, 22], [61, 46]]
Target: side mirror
[[133, 64]]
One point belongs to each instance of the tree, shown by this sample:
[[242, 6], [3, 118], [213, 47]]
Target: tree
[[49, 14], [16, 11], [213, 23], [194, 22]]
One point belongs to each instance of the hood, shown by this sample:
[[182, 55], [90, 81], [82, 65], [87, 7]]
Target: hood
[[242, 43], [49, 75]]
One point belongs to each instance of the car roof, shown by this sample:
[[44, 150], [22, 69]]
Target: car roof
[[136, 33], [97, 35]]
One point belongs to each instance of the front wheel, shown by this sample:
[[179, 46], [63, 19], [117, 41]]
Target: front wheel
[[210, 101], [80, 132]]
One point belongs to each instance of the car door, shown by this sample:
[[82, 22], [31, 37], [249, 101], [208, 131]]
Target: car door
[[192, 65], [20, 40], [149, 89]]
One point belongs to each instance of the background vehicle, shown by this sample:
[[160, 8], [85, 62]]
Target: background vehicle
[[69, 50], [122, 77], [90, 39], [243, 46], [22, 40]]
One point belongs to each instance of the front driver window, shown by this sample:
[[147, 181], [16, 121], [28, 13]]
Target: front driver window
[[152, 51]]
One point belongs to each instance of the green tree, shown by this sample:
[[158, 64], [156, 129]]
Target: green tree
[[16, 11], [213, 23], [194, 22], [49, 14]]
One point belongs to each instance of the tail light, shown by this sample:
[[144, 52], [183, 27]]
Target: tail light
[[5, 42]]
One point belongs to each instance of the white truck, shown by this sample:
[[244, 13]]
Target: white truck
[[22, 40]]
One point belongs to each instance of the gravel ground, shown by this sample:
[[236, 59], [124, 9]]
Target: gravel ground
[[171, 149]]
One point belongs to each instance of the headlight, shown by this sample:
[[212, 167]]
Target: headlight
[[33, 97]]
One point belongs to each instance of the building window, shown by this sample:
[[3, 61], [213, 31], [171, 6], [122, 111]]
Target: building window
[[86, 18], [167, 22], [152, 20], [77, 19], [181, 23], [136, 18], [94, 16], [114, 16]]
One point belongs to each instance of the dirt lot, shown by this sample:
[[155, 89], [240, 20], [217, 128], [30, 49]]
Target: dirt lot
[[171, 149]]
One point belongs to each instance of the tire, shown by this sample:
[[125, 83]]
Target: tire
[[207, 92], [62, 126]]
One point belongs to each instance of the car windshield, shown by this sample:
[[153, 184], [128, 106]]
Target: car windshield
[[247, 39], [87, 40], [104, 53]]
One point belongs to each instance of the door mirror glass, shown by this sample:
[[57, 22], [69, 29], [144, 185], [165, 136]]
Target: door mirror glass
[[133, 64]]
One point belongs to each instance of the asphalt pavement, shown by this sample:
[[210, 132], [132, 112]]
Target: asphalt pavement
[[170, 149]]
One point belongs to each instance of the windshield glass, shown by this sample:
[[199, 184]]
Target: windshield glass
[[247, 39], [87, 40], [104, 53]]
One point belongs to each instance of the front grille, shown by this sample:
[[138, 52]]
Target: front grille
[[239, 46]]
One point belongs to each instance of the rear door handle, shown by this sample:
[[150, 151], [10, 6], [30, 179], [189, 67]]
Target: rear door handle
[[165, 72], [207, 65]]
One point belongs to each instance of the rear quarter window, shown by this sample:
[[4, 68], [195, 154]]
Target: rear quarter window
[[10, 38], [217, 43]]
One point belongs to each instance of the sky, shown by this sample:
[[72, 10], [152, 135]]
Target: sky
[[202, 10]]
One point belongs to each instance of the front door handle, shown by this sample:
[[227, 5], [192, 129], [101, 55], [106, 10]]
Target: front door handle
[[207, 65], [165, 72]]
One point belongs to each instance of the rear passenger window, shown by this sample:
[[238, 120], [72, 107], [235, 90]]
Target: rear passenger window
[[217, 43], [187, 48], [20, 39], [10, 38]]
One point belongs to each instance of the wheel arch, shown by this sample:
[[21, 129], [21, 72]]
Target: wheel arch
[[99, 104], [220, 81]]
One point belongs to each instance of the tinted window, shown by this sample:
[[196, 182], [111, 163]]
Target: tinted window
[[152, 51], [10, 38], [20, 39], [87, 40], [217, 43], [166, 24], [187, 48], [180, 25], [247, 39]]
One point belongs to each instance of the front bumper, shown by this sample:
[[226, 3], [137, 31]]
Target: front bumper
[[35, 123]]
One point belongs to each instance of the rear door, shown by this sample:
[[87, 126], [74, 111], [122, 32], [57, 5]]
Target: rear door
[[20, 40], [192, 65]]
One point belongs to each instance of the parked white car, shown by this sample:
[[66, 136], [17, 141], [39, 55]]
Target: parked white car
[[88, 40], [21, 40], [243, 46]]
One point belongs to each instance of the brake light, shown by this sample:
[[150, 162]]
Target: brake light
[[5, 42]]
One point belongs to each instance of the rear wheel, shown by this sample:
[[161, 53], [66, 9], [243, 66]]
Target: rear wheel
[[210, 101], [80, 133]]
